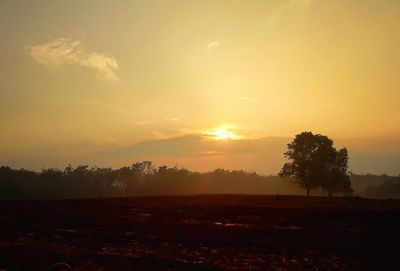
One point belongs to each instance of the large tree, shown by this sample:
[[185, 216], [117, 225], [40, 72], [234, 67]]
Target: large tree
[[315, 163]]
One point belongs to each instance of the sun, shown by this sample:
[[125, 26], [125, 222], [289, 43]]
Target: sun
[[223, 133]]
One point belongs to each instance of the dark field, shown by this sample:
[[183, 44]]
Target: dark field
[[221, 232]]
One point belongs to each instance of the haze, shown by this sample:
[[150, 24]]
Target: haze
[[201, 84]]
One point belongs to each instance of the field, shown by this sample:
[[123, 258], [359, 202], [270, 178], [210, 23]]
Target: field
[[204, 232]]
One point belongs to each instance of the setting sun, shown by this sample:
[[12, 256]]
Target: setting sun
[[223, 133]]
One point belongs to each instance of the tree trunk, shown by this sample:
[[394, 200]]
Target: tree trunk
[[308, 192]]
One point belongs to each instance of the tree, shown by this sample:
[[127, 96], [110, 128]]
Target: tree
[[315, 163], [338, 180]]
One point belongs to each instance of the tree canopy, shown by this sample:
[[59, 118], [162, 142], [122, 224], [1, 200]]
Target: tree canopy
[[315, 163]]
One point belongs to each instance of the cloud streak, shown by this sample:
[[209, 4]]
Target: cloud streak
[[291, 7], [62, 51], [280, 12], [200, 145], [212, 45]]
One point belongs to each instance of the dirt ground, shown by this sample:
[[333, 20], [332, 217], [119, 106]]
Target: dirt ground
[[204, 232]]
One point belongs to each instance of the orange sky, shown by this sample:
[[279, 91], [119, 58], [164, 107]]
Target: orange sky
[[113, 82]]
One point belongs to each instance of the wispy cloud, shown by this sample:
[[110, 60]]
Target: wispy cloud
[[212, 45], [143, 123], [157, 122], [199, 145], [62, 51], [210, 153], [288, 8], [172, 119]]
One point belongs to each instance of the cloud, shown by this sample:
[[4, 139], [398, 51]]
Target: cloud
[[62, 51], [212, 45], [211, 153], [143, 123], [169, 147], [289, 8], [172, 119], [200, 146], [159, 123]]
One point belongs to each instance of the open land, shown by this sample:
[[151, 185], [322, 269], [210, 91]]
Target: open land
[[201, 232]]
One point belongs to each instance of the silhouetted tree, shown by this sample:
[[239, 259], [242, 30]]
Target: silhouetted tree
[[315, 163], [338, 180]]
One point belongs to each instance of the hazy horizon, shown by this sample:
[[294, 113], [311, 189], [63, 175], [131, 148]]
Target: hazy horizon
[[199, 84], [249, 155]]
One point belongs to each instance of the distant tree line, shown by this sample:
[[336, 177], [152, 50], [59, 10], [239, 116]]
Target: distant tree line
[[385, 186], [144, 178], [141, 178]]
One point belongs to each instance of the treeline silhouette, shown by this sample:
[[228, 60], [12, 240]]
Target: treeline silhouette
[[377, 186], [144, 178]]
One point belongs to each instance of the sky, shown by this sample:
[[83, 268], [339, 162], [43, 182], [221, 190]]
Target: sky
[[200, 84]]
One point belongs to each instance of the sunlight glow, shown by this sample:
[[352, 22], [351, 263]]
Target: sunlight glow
[[222, 133]]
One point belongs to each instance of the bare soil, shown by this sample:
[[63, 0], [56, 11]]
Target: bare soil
[[204, 232]]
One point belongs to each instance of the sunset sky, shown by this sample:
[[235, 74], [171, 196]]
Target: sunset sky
[[201, 84]]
